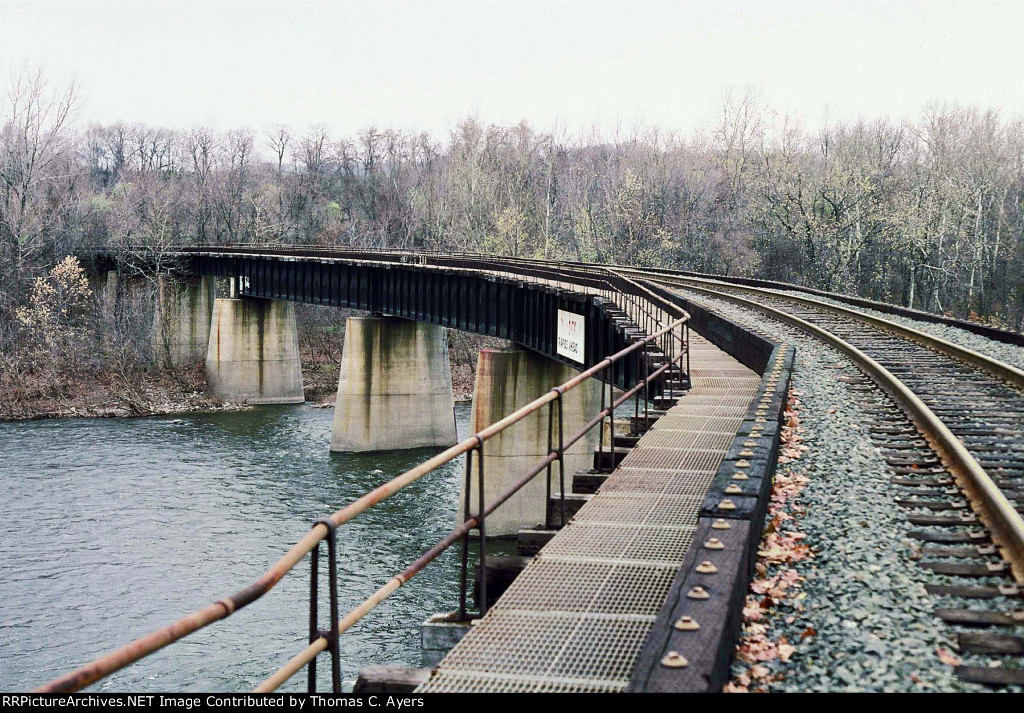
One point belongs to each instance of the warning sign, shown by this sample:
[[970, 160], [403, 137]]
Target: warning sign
[[571, 335]]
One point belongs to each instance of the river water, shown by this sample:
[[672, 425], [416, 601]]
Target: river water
[[110, 528]]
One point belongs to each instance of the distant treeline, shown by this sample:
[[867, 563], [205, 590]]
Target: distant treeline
[[925, 213]]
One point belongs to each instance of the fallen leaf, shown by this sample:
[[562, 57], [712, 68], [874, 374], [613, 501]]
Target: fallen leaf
[[785, 651]]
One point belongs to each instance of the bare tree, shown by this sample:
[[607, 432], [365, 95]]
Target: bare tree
[[36, 153]]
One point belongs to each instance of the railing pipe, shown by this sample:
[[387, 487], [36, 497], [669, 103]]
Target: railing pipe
[[145, 645]]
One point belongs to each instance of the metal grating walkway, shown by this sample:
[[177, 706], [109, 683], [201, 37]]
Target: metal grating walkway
[[575, 619]]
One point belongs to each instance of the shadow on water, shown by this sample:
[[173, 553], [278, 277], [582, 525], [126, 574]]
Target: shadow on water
[[111, 528]]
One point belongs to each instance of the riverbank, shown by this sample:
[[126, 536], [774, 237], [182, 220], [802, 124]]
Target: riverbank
[[106, 394]]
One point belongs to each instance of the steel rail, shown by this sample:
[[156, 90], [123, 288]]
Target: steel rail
[[1000, 369], [223, 608], [1006, 336], [988, 501], [996, 368]]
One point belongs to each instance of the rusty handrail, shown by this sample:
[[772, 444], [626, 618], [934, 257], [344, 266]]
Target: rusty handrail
[[316, 647], [221, 609]]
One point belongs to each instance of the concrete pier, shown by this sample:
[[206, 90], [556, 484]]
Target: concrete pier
[[505, 381], [253, 352], [108, 288], [395, 387], [181, 320]]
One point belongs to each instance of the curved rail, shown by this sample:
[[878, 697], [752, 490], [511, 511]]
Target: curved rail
[[993, 507], [996, 368], [1005, 336]]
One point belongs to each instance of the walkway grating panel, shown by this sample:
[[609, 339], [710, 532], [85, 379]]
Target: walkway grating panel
[[724, 382], [710, 411], [455, 681], [641, 508], [513, 643], [682, 439], [576, 617], [677, 482], [595, 587], [696, 424], [586, 541], [674, 458], [573, 653], [603, 648], [721, 400]]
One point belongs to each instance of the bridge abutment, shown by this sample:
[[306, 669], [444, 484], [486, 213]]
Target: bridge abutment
[[395, 387], [507, 380], [181, 321], [253, 352]]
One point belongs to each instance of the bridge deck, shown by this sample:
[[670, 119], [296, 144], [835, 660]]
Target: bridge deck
[[577, 616]]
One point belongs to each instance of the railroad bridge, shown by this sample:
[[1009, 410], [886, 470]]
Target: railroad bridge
[[627, 442]]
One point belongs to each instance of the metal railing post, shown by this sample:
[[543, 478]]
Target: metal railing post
[[480, 526], [672, 355], [647, 386], [561, 451], [314, 626], [600, 443], [560, 459], [611, 418], [636, 396], [551, 445], [331, 635], [686, 336], [463, 573]]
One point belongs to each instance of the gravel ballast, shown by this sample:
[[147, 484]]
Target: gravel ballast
[[862, 620]]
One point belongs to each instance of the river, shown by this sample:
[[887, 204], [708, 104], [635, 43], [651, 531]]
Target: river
[[110, 528]]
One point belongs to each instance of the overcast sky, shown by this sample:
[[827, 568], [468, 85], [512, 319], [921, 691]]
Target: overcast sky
[[424, 65]]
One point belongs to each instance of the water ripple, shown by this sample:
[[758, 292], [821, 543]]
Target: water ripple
[[112, 527]]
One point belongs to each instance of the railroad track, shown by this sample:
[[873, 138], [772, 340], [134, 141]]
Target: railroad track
[[950, 424]]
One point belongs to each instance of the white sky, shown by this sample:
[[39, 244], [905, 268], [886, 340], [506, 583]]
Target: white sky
[[424, 65]]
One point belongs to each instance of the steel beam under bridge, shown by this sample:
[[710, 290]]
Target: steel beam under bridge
[[520, 311]]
